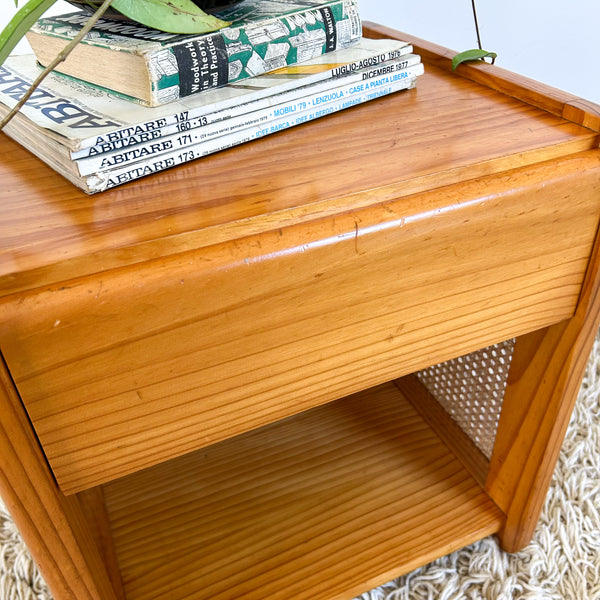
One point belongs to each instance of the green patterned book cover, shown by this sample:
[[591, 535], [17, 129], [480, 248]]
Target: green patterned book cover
[[264, 35]]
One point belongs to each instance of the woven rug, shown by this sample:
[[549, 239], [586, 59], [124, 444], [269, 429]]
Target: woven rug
[[561, 563]]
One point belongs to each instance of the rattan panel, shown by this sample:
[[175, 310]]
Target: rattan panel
[[471, 389]]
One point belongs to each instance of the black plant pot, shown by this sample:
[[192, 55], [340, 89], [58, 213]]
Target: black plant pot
[[208, 6]]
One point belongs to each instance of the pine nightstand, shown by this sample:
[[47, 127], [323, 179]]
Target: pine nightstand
[[209, 384]]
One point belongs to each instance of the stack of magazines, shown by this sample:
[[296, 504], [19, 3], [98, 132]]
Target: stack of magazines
[[131, 101]]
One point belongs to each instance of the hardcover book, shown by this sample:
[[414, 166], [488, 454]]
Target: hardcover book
[[154, 67]]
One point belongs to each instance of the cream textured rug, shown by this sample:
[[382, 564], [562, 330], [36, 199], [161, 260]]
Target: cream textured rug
[[561, 563]]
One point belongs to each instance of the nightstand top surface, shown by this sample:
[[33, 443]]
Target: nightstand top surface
[[448, 130]]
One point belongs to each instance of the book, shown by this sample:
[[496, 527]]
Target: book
[[95, 174], [88, 120], [154, 67], [283, 106], [103, 180]]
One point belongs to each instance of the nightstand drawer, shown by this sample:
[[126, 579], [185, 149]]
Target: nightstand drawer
[[128, 368]]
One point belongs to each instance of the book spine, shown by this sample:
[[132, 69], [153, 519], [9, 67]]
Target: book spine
[[104, 180], [180, 122], [230, 121], [248, 50]]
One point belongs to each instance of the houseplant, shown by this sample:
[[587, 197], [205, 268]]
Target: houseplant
[[173, 16]]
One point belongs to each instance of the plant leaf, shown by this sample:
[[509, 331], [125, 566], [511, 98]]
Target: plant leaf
[[475, 54], [62, 55], [172, 16], [19, 25]]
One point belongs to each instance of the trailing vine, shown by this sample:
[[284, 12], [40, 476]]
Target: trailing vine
[[477, 53], [173, 16], [60, 58]]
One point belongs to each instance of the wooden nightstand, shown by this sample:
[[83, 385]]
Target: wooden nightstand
[[207, 389]]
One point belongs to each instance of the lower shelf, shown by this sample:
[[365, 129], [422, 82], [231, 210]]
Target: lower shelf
[[326, 504]]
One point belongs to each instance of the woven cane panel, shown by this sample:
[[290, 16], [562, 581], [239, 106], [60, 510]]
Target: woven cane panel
[[471, 389]]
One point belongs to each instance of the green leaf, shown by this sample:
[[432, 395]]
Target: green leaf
[[172, 16], [19, 25], [475, 54]]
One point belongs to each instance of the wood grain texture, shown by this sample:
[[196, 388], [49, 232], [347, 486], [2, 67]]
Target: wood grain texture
[[52, 525], [560, 103], [325, 505], [544, 379], [446, 131], [93, 508], [122, 371], [447, 430], [163, 317]]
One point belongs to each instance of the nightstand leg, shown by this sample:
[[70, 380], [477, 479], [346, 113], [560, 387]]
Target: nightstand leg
[[544, 380], [51, 523]]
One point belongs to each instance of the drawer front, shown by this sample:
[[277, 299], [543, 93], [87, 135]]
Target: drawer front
[[132, 367]]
